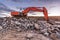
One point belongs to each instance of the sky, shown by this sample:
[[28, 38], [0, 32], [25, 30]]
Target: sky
[[53, 6]]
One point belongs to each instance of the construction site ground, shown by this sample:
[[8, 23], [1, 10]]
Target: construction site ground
[[29, 28]]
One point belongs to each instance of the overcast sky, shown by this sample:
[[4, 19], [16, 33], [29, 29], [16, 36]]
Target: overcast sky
[[53, 6]]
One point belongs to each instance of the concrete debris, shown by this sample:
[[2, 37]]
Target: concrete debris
[[1, 28], [51, 22], [37, 26], [54, 36], [57, 22], [29, 35]]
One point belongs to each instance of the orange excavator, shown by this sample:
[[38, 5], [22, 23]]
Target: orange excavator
[[36, 9]]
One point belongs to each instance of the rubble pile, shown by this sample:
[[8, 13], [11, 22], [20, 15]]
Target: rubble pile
[[35, 25]]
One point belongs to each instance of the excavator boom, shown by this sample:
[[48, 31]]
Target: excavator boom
[[44, 10]]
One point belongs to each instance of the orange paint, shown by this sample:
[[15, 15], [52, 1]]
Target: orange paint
[[14, 13]]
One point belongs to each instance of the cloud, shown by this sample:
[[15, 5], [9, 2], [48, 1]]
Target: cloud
[[25, 0], [4, 8]]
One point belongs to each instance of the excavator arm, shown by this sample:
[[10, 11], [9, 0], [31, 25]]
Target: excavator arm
[[31, 9], [44, 10]]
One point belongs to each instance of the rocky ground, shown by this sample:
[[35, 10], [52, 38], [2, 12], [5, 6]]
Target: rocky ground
[[29, 29]]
